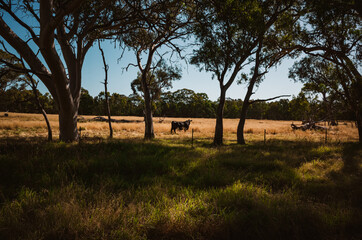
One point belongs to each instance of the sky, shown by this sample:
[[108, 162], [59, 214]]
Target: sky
[[275, 83]]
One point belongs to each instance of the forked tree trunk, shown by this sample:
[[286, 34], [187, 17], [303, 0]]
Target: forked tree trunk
[[219, 130]]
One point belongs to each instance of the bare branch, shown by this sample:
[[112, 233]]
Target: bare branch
[[268, 99], [18, 20]]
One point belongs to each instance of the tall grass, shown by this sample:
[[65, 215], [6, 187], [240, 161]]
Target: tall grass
[[164, 189], [29, 125]]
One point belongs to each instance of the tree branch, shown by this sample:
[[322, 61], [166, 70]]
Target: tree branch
[[268, 99]]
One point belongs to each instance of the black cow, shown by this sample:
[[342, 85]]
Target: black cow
[[180, 125]]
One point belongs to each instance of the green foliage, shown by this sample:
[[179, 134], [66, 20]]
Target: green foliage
[[165, 189], [22, 100], [226, 31], [86, 103], [158, 80], [9, 78]]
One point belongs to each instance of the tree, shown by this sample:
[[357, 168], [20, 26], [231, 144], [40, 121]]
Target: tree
[[334, 34], [332, 82], [8, 77], [61, 30], [161, 24], [121, 105], [299, 108], [108, 110], [229, 33], [14, 75], [158, 80], [86, 105]]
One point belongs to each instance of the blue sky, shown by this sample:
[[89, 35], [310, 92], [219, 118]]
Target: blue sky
[[276, 81]]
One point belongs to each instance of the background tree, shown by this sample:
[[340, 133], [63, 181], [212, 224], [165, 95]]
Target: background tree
[[275, 18], [86, 105], [334, 34], [160, 24], [299, 107], [332, 82], [158, 80], [14, 76]]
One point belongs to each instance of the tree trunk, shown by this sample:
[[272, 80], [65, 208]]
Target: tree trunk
[[218, 138], [244, 109], [40, 106], [68, 131], [108, 112], [50, 135], [41, 109], [246, 103], [240, 130], [149, 131], [106, 90], [359, 125]]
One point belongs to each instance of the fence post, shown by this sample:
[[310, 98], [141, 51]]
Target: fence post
[[264, 136], [326, 136], [192, 139]]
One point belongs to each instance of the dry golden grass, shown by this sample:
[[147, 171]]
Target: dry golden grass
[[29, 125]]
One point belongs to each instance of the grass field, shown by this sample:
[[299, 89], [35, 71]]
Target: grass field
[[30, 125], [293, 187]]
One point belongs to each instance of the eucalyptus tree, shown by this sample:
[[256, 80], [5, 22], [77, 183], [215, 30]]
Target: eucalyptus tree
[[269, 52], [161, 26], [332, 82], [158, 80], [53, 40], [332, 33], [229, 33]]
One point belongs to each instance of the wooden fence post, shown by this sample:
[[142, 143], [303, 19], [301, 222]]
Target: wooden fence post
[[264, 136], [192, 139], [326, 136]]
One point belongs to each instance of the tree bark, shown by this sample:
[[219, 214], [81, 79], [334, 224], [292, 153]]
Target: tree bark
[[50, 135], [219, 131], [41, 108], [359, 125], [246, 103], [149, 131], [108, 111], [240, 130], [68, 131]]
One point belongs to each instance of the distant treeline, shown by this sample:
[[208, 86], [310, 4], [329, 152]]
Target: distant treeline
[[181, 103]]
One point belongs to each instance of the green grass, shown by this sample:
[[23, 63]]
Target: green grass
[[165, 189]]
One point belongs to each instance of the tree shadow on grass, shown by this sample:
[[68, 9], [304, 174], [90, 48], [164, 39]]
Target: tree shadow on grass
[[118, 164], [244, 185]]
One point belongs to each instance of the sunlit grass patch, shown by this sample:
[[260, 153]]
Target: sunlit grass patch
[[320, 170]]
